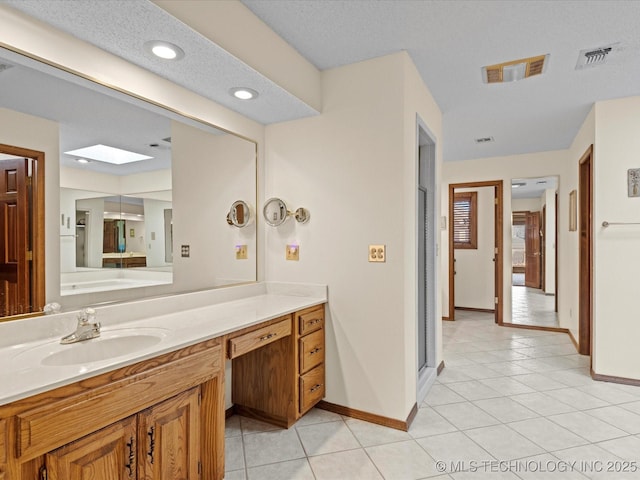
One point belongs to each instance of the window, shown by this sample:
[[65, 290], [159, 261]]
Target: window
[[465, 220]]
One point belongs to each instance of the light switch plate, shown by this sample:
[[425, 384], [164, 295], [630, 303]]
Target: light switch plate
[[293, 252], [241, 252], [377, 253], [185, 250]]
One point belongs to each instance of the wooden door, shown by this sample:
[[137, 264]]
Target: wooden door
[[543, 248], [169, 436], [108, 454], [585, 287], [15, 265], [532, 250]]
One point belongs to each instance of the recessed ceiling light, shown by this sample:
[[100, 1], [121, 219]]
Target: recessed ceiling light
[[518, 184], [244, 93], [82, 160], [104, 153], [164, 50]]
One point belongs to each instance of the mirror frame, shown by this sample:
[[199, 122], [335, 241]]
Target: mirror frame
[[279, 205], [39, 216], [232, 216]]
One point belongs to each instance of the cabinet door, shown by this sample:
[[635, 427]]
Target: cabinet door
[[108, 454], [169, 436]]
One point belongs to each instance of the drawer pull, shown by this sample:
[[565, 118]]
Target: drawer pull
[[152, 444], [267, 337], [315, 387], [313, 322], [132, 457], [314, 351]]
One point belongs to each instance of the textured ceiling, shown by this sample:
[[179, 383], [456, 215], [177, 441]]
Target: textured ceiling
[[122, 27], [450, 41]]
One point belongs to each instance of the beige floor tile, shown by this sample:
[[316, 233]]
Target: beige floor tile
[[272, 447], [504, 443], [442, 395], [627, 448], [291, 470], [505, 409], [547, 434], [233, 453], [429, 422], [466, 415], [352, 465], [453, 448], [542, 404], [588, 427], [369, 434], [327, 438], [402, 461], [618, 417]]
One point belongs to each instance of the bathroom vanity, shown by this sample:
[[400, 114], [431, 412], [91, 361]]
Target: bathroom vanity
[[159, 413]]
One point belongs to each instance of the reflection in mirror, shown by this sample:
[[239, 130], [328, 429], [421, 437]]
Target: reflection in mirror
[[275, 212], [239, 215], [533, 251], [128, 232], [116, 221]]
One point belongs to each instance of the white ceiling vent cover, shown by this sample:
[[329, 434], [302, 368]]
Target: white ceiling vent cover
[[592, 57]]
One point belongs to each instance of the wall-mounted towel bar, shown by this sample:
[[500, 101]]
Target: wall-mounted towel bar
[[605, 224]]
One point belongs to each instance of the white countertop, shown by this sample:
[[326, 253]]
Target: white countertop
[[22, 374]]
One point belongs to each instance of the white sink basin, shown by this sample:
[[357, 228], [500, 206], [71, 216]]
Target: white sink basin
[[110, 344]]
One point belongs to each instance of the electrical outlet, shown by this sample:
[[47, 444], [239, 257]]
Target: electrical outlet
[[185, 250], [293, 252], [377, 253], [241, 252]]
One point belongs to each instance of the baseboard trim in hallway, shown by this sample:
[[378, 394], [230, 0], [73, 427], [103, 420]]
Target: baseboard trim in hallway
[[611, 379], [440, 367]]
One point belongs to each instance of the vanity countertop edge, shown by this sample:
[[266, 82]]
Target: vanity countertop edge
[[20, 379]]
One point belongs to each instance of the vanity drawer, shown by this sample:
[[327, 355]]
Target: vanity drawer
[[311, 388], [311, 350], [259, 338], [310, 320]]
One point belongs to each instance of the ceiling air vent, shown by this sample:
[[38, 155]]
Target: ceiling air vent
[[484, 140], [515, 69], [592, 57]]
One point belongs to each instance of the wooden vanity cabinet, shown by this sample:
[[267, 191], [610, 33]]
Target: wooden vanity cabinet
[[278, 367], [160, 419]]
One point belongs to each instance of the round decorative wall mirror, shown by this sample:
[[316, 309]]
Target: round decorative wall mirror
[[239, 215], [275, 212]]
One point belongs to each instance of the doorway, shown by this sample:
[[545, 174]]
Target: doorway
[[585, 229], [426, 242], [461, 227], [534, 239], [22, 288]]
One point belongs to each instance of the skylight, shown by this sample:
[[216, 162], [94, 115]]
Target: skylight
[[104, 153]]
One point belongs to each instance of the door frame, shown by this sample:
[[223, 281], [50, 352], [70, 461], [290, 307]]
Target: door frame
[[585, 255], [498, 243], [37, 227]]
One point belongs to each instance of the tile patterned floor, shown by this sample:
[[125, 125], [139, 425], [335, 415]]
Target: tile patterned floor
[[530, 306], [511, 404]]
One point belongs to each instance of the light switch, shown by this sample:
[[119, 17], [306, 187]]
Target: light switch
[[377, 253], [293, 252], [185, 250], [241, 252]]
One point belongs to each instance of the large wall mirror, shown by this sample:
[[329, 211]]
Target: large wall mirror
[[534, 254], [125, 211]]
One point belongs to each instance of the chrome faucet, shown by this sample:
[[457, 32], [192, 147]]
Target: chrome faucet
[[87, 327]]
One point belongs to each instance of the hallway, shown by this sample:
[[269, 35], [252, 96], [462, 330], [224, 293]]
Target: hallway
[[523, 397], [530, 306]]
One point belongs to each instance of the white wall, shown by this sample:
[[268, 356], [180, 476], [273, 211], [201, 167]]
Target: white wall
[[154, 237], [209, 183], [355, 169], [616, 254], [474, 279], [568, 242], [507, 168], [525, 204]]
